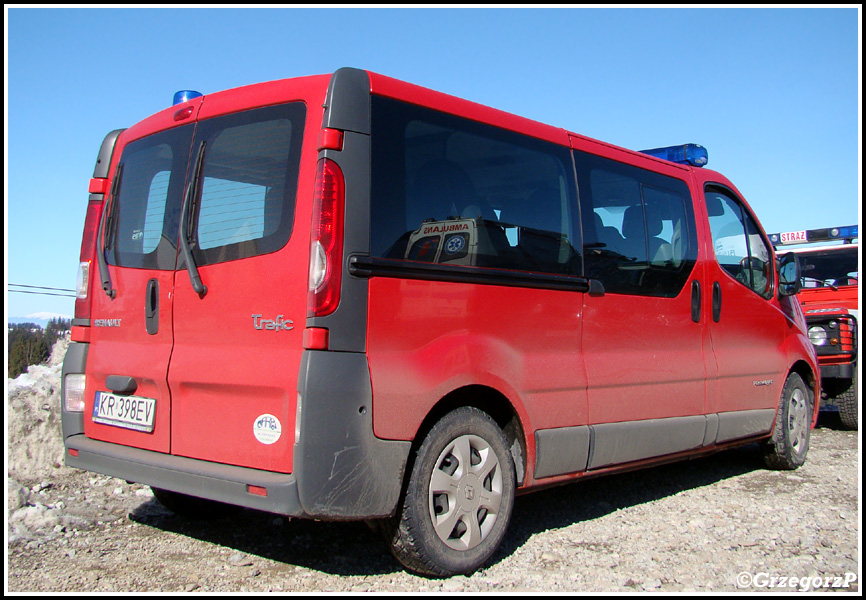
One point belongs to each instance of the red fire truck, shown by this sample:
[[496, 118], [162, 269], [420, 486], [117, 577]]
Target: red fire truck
[[829, 297]]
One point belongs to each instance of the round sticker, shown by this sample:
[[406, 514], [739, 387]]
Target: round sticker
[[267, 429], [455, 244]]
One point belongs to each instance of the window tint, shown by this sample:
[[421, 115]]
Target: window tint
[[451, 191], [142, 228], [249, 179], [639, 234], [739, 247]]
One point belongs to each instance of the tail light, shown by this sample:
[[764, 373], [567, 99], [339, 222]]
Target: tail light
[[73, 392], [326, 242], [86, 258]]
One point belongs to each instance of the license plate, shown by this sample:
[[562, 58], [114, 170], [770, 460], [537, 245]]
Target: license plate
[[129, 412]]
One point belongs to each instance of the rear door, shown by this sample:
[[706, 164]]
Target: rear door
[[238, 342], [128, 400]]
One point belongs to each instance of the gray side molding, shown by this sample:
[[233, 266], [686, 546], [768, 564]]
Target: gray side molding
[[565, 450], [745, 423], [617, 443], [712, 430], [561, 450]]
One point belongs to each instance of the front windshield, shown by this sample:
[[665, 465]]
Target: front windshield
[[829, 268]]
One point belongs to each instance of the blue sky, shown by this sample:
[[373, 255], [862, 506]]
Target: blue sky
[[772, 93]]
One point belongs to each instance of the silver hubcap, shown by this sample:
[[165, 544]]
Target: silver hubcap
[[798, 422], [465, 492]]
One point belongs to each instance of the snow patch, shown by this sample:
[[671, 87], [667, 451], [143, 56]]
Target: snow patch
[[35, 446]]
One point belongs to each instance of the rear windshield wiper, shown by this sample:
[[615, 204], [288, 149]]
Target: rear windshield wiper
[[186, 229], [106, 233]]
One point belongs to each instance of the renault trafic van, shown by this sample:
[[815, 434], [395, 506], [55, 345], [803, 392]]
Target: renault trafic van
[[345, 297]]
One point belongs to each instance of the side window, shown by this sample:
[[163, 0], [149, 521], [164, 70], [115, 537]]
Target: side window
[[455, 192], [141, 221], [639, 232], [249, 180], [739, 247]]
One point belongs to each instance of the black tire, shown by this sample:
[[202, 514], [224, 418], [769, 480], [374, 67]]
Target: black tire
[[846, 400], [788, 447], [459, 497], [194, 508]]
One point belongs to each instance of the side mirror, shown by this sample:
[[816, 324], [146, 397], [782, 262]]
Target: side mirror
[[788, 267]]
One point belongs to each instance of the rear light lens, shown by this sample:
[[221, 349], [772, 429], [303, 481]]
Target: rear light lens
[[326, 243], [82, 282], [86, 258], [73, 392], [318, 266]]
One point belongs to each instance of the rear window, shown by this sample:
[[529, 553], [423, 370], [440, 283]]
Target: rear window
[[142, 220], [249, 181], [246, 196], [455, 192]]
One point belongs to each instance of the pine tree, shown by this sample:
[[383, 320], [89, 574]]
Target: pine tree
[[28, 345], [28, 349], [55, 328]]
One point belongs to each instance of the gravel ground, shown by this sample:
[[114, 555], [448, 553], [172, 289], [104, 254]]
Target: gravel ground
[[716, 524]]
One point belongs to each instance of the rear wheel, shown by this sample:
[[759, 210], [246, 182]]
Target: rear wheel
[[788, 447], [459, 497], [191, 507]]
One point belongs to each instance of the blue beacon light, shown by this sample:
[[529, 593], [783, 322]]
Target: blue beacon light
[[684, 154], [185, 96]]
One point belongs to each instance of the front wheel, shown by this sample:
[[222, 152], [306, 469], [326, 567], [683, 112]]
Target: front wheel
[[846, 400], [459, 497], [788, 447]]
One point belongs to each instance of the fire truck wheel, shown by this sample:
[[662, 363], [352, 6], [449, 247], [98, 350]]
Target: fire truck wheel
[[191, 507], [459, 497], [788, 447], [846, 400]]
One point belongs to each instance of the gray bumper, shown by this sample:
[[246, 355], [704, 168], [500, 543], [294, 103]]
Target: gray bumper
[[203, 479]]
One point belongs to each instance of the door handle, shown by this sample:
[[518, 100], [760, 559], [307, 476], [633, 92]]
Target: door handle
[[151, 307], [120, 384], [717, 301], [696, 301]]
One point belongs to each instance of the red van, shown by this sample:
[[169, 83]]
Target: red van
[[349, 297]]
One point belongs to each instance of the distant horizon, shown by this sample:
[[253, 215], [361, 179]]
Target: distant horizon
[[37, 316]]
